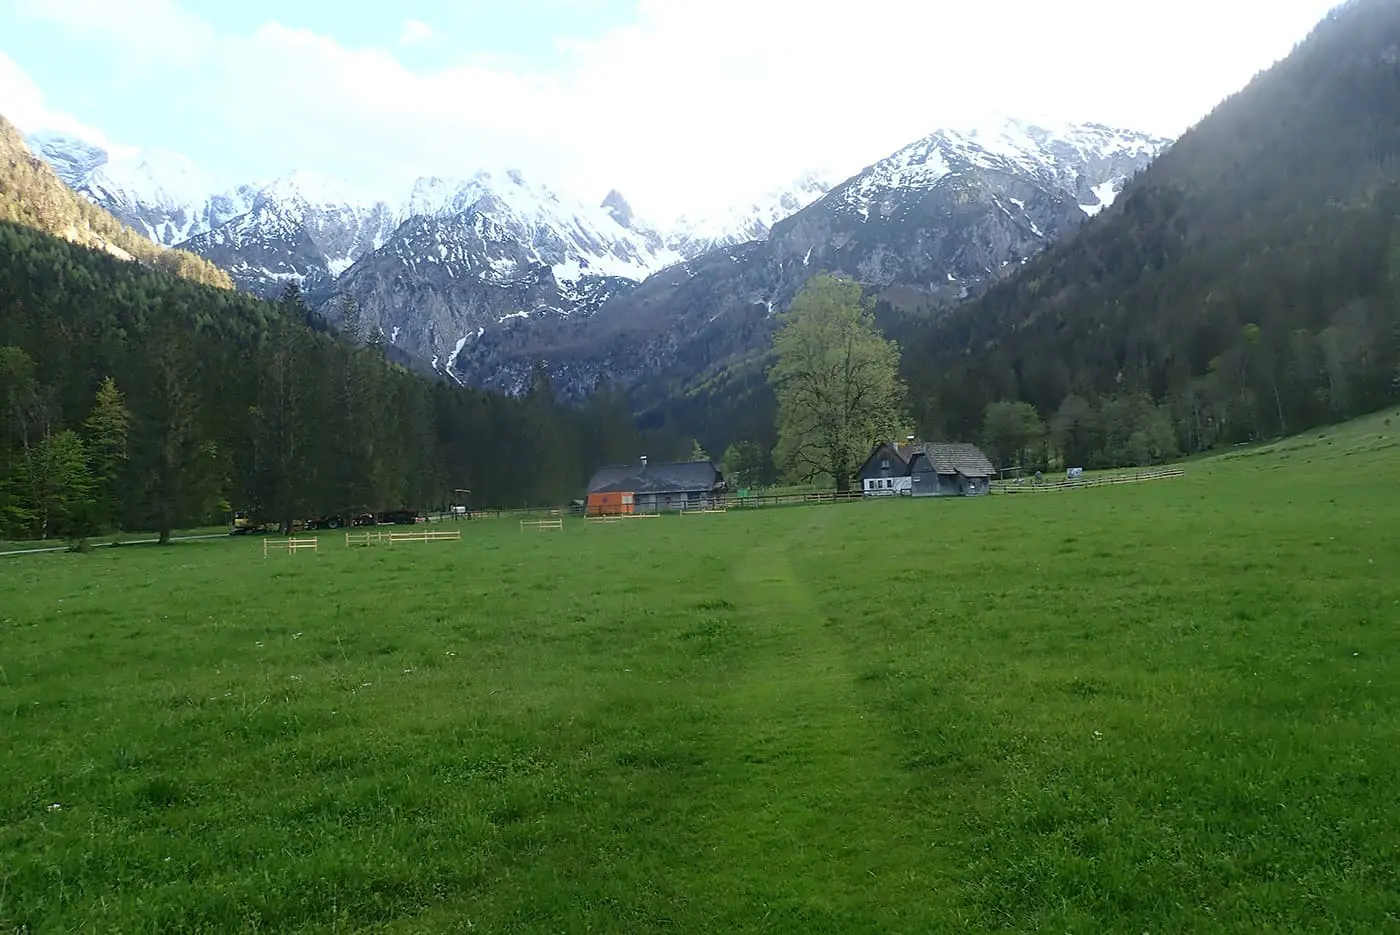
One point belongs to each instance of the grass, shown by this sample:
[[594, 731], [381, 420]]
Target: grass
[[1165, 707]]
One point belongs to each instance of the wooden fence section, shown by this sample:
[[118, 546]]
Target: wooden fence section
[[607, 519], [365, 538], [788, 499], [1111, 480], [703, 512], [289, 545], [425, 535], [542, 524]]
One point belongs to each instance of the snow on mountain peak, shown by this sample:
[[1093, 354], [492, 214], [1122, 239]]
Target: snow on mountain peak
[[572, 237], [316, 190], [1081, 157], [748, 221]]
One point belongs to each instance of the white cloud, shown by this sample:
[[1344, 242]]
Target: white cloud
[[22, 103], [699, 102], [414, 32]]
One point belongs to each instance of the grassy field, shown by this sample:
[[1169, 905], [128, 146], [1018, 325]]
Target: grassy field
[[1165, 707]]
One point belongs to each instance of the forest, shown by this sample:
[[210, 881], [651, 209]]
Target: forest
[[134, 398], [1246, 285]]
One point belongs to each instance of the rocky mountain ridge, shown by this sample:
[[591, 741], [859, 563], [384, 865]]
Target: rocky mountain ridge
[[482, 276]]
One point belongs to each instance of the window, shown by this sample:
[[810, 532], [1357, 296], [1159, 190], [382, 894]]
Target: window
[[627, 499], [885, 464]]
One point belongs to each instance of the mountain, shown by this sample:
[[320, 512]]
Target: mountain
[[742, 223], [925, 227], [300, 228], [34, 195], [470, 255], [484, 276], [1245, 285], [162, 195]]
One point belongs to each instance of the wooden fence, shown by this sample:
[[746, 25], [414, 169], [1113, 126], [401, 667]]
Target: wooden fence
[[541, 525], [1083, 482], [424, 535], [289, 545]]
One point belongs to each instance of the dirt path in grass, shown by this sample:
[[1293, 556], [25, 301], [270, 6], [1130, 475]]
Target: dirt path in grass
[[814, 815]]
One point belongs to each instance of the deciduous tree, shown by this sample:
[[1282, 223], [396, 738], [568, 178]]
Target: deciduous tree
[[836, 381]]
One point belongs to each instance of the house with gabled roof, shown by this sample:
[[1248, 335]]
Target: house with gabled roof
[[654, 488], [925, 469]]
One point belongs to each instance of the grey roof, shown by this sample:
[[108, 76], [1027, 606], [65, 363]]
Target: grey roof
[[677, 477], [900, 453], [950, 458]]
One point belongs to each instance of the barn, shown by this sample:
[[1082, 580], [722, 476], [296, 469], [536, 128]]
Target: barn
[[655, 488]]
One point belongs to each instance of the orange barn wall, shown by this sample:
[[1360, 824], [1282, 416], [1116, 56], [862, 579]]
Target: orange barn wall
[[609, 504]]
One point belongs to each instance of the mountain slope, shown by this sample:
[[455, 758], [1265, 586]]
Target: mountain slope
[[300, 228], [473, 255], [929, 225], [163, 196], [32, 194], [1249, 280]]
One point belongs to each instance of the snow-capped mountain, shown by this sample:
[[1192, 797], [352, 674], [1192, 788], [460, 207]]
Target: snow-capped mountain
[[1089, 162], [742, 223], [302, 228], [159, 194], [472, 254], [923, 228], [574, 238], [483, 275]]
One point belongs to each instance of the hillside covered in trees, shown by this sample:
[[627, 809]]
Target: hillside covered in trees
[[1246, 285], [137, 399], [32, 195]]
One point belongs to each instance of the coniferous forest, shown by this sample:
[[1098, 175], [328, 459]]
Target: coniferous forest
[[137, 399]]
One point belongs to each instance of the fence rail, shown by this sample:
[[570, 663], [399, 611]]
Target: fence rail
[[289, 546], [1080, 483], [426, 535]]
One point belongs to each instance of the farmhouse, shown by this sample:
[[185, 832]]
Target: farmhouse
[[655, 488], [925, 469]]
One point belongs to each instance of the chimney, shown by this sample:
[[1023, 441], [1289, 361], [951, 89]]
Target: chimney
[[644, 461]]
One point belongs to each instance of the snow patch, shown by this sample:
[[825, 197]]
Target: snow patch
[[457, 349], [1106, 193]]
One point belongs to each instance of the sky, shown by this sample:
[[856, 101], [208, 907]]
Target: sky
[[682, 105]]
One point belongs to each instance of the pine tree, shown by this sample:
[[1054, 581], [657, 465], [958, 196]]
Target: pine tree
[[107, 427]]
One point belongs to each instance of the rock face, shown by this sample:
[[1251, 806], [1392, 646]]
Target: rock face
[[472, 256], [925, 227]]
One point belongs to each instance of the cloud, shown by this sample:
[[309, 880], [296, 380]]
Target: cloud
[[414, 32], [22, 103], [697, 103]]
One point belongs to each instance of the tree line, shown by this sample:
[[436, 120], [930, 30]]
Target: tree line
[[136, 399]]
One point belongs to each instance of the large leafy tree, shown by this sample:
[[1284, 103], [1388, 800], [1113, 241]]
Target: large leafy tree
[[836, 381]]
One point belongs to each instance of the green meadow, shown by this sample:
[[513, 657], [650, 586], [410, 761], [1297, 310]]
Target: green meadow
[[1164, 707]]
